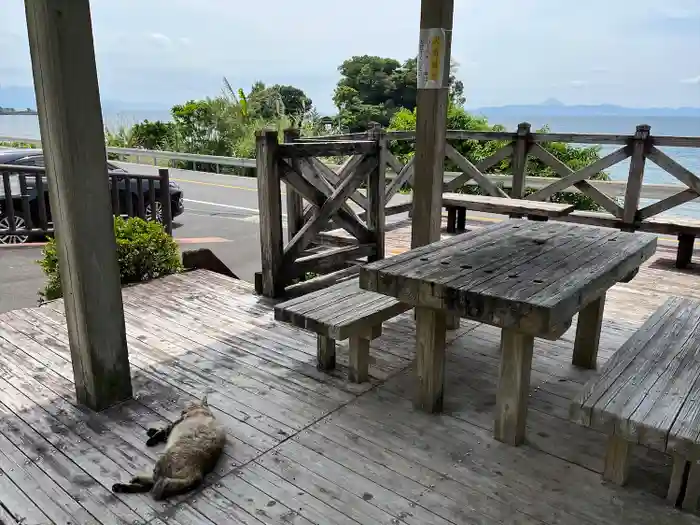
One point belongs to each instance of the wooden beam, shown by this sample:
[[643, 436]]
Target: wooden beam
[[640, 145], [433, 90], [72, 132], [295, 204], [270, 205], [432, 99]]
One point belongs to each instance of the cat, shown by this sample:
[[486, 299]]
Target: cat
[[193, 445]]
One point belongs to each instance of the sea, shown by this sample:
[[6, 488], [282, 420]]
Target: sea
[[27, 126]]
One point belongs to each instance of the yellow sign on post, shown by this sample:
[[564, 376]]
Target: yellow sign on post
[[431, 59]]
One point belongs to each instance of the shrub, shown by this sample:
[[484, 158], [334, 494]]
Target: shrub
[[144, 251]]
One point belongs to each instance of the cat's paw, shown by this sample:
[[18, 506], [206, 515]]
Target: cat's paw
[[152, 431]]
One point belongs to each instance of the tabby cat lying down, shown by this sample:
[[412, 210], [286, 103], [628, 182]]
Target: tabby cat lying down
[[193, 445]]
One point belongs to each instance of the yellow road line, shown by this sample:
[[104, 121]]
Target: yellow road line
[[216, 185]]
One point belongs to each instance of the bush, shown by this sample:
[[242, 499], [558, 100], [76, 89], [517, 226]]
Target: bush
[[144, 250]]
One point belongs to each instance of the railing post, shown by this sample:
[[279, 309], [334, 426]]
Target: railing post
[[165, 201], [295, 205], [376, 188], [270, 205], [519, 162], [636, 175]]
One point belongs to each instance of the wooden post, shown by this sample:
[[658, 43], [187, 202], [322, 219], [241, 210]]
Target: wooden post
[[165, 200], [270, 205], [295, 205], [519, 162], [72, 132], [636, 174], [432, 98], [376, 188], [431, 128]]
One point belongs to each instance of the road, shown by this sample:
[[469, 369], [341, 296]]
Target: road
[[221, 213]]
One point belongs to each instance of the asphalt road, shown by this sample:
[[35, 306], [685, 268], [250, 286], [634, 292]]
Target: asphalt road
[[221, 213]]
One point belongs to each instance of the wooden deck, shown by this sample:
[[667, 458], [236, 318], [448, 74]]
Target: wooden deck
[[307, 447]]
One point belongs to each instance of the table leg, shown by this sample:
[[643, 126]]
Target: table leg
[[692, 488], [590, 321], [679, 477], [430, 359], [513, 387]]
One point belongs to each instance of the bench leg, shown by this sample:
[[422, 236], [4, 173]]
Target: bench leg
[[325, 353], [590, 321], [451, 219], [678, 480], [685, 250], [430, 359], [617, 459], [692, 489], [513, 387], [461, 219], [452, 322], [359, 359]]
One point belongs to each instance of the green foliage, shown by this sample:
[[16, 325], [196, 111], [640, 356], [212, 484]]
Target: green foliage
[[144, 251], [459, 119], [18, 145], [374, 89]]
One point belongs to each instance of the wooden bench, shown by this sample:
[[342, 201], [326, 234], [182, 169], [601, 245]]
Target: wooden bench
[[339, 312], [649, 394], [683, 228], [458, 203]]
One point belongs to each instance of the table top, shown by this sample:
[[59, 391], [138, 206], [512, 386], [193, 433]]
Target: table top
[[523, 275]]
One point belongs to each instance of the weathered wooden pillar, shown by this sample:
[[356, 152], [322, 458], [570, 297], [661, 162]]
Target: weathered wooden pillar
[[70, 119], [295, 205], [376, 188], [432, 99], [636, 175], [270, 205]]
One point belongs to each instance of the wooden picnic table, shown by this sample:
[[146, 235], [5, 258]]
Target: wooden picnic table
[[527, 278]]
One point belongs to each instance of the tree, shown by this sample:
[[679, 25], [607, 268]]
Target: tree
[[373, 89], [269, 102]]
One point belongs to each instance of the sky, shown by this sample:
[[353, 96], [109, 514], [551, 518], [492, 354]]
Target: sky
[[636, 53]]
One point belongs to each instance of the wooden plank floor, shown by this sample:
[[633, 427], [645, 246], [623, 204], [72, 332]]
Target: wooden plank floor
[[307, 447]]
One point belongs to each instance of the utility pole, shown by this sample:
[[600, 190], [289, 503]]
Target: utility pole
[[70, 119], [433, 93]]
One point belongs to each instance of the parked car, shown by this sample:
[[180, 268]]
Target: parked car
[[35, 157]]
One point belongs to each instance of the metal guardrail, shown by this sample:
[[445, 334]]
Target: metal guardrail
[[25, 210]]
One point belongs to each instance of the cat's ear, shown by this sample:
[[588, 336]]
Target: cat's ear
[[205, 402]]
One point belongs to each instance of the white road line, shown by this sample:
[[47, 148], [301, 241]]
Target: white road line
[[230, 206]]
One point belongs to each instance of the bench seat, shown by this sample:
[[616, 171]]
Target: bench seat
[[683, 228], [339, 312], [457, 204], [649, 394]]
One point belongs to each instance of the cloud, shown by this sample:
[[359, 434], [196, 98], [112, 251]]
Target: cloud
[[691, 80], [160, 37], [579, 83]]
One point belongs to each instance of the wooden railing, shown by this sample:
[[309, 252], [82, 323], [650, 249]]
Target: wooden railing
[[327, 194], [523, 144], [25, 210]]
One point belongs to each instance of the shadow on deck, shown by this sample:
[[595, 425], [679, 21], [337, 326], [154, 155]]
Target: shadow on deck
[[307, 447]]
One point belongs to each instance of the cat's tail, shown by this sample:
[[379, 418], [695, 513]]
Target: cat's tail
[[137, 485]]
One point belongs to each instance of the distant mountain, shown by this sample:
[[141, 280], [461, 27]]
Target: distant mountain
[[553, 107], [22, 97]]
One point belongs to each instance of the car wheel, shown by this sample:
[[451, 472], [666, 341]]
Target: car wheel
[[159, 212], [13, 239]]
